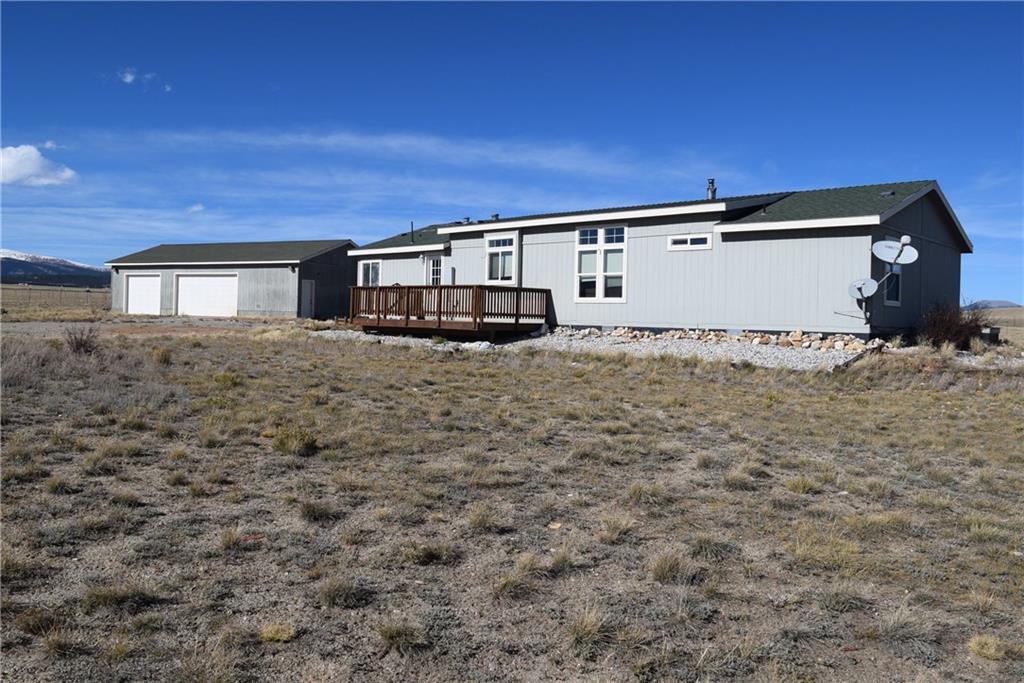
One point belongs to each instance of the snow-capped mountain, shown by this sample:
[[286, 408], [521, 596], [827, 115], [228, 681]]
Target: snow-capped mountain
[[19, 267]]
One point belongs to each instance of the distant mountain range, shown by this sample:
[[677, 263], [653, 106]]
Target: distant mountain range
[[17, 267], [990, 303]]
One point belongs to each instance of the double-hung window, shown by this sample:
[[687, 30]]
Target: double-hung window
[[501, 258], [369, 273], [601, 264]]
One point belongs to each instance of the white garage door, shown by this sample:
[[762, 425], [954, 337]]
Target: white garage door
[[210, 295], [142, 294]]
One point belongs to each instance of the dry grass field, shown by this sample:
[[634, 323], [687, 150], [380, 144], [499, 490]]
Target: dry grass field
[[1011, 323], [267, 506], [40, 302]]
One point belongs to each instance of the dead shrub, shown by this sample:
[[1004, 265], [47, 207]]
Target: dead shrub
[[950, 324], [82, 340]]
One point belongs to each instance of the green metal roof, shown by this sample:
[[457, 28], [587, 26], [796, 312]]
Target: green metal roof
[[836, 202], [232, 252]]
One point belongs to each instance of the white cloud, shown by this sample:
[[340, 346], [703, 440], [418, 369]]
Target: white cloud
[[195, 208], [130, 76], [50, 144], [25, 165], [562, 157]]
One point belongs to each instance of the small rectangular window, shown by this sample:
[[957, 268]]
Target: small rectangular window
[[893, 286], [614, 235], [588, 236], [689, 242], [505, 242]]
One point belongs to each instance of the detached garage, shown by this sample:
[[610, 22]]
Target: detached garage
[[308, 279]]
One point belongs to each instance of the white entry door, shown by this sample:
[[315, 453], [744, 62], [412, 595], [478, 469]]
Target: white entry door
[[307, 309], [212, 295], [142, 294]]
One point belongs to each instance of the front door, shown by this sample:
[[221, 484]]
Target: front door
[[307, 309]]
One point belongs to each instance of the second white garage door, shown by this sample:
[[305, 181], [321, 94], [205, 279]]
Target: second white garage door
[[209, 295]]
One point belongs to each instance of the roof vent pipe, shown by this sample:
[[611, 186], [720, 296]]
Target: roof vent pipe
[[412, 232], [712, 190]]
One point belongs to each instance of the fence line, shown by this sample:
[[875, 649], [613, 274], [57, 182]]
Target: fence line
[[49, 296]]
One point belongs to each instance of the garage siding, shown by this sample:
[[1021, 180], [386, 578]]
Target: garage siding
[[262, 291]]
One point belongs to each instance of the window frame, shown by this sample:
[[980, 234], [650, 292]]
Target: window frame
[[428, 270], [380, 271], [895, 269], [689, 236], [488, 250], [600, 273]]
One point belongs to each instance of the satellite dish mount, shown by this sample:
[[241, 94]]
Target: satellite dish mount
[[890, 252]]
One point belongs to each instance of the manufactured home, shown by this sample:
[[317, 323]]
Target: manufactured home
[[774, 262], [308, 279]]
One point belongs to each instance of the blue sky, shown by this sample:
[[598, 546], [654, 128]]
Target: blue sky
[[134, 124]]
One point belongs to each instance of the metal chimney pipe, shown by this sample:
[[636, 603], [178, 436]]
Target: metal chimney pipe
[[712, 190]]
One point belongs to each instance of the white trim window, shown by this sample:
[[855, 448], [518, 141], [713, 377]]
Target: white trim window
[[691, 242], [433, 270], [369, 273], [894, 285], [500, 258], [600, 268]]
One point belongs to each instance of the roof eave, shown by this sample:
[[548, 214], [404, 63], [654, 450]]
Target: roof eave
[[409, 249], [123, 264], [612, 215], [910, 199]]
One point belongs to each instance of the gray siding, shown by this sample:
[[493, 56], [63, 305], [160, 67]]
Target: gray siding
[[935, 278], [773, 280], [262, 291], [408, 269], [767, 280]]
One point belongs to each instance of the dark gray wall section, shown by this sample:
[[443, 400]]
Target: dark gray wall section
[[333, 273], [934, 278]]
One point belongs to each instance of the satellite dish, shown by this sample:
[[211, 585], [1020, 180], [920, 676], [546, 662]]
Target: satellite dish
[[894, 252], [863, 288]]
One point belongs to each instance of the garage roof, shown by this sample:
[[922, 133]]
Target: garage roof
[[230, 252]]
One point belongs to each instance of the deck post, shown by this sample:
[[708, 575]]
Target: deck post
[[519, 299], [376, 294], [406, 290], [440, 293]]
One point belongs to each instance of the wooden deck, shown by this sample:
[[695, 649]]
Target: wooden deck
[[458, 308]]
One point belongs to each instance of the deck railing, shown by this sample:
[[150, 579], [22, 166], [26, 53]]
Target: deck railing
[[444, 306]]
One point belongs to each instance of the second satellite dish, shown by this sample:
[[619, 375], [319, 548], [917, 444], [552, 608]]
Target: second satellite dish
[[894, 252], [863, 288]]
